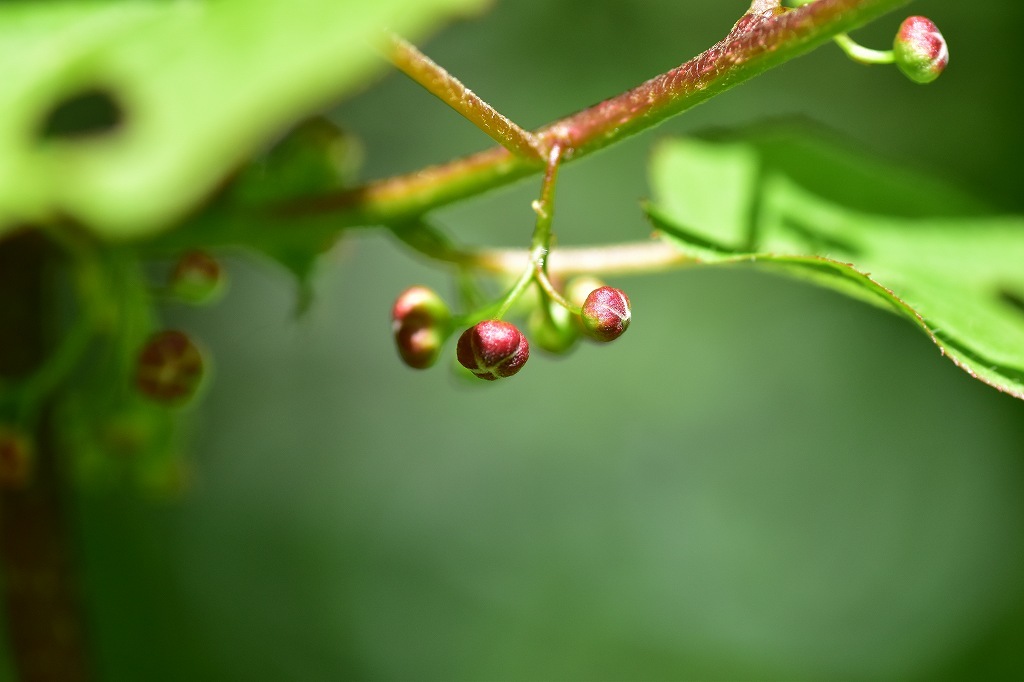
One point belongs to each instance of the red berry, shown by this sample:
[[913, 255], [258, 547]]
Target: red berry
[[419, 301], [169, 367], [606, 314], [920, 50], [418, 345], [419, 321], [493, 349], [17, 458], [197, 278]]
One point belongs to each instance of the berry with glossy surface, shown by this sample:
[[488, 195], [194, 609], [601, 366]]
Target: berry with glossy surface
[[169, 368], [606, 314], [920, 50], [493, 349]]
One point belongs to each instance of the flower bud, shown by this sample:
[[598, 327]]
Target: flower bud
[[418, 345], [552, 328], [17, 458], [419, 321], [493, 349], [606, 314], [920, 50], [169, 368], [419, 301], [197, 278]]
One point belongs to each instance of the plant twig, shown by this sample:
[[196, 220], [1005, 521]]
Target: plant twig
[[46, 624], [756, 44], [608, 259], [452, 92]]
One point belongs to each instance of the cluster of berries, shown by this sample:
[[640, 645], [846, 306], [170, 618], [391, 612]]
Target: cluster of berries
[[169, 367], [494, 349]]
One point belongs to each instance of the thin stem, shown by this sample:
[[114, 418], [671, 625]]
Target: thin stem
[[94, 314], [541, 242], [450, 90], [610, 259], [425, 238], [864, 55], [514, 293], [756, 44], [552, 293], [544, 207]]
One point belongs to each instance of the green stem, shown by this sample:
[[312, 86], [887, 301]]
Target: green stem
[[544, 207], [514, 293], [757, 43], [629, 258], [861, 54]]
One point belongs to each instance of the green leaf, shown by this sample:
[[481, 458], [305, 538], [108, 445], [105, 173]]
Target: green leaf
[[315, 157], [808, 207], [190, 90]]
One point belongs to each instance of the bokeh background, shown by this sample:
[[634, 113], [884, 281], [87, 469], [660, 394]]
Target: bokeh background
[[761, 480]]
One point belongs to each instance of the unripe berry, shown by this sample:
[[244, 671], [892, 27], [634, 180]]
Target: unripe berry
[[606, 314], [419, 321], [17, 458], [552, 328], [169, 367], [197, 278], [920, 50], [493, 349]]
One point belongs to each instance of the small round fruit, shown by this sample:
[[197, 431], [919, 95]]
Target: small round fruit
[[197, 278], [419, 301], [419, 345], [920, 50], [169, 368], [493, 349], [553, 329], [606, 314], [419, 321]]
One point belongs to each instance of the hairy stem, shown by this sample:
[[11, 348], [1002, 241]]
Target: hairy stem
[[756, 43], [452, 92]]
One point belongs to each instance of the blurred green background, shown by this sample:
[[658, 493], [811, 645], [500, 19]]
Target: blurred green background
[[760, 481]]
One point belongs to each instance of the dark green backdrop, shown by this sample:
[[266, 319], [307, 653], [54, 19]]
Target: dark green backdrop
[[760, 481]]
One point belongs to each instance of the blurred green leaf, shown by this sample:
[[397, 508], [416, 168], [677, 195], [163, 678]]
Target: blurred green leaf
[[315, 156], [813, 209], [180, 93]]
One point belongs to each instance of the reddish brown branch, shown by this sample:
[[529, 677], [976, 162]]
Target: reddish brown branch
[[45, 623], [758, 42]]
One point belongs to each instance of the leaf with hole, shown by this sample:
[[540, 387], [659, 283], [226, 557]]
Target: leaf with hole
[[123, 116]]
